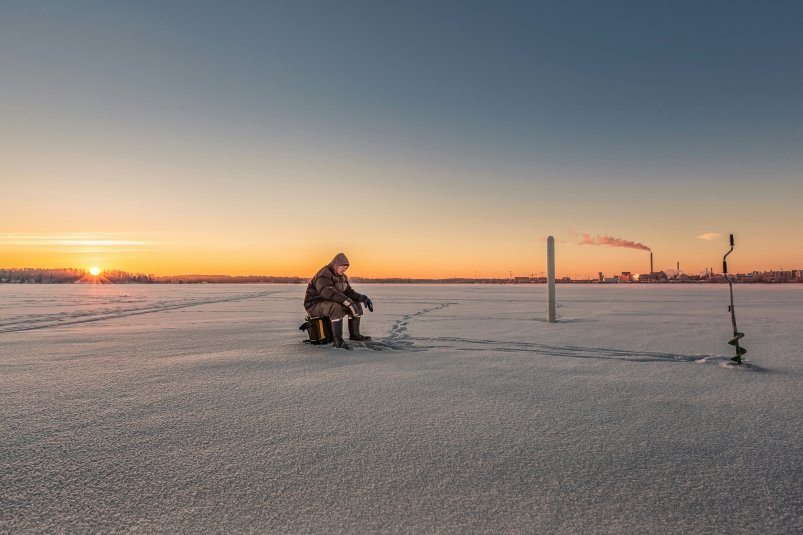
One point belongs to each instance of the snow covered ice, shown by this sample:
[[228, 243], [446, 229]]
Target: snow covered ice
[[165, 409]]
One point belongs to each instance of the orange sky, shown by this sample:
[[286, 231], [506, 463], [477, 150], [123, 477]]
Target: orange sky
[[252, 212], [431, 256], [276, 214]]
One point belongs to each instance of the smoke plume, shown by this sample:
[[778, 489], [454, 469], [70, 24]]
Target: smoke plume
[[612, 242]]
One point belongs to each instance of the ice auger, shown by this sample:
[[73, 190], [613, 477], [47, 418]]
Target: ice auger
[[736, 334]]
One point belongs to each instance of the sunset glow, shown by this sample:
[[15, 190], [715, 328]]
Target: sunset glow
[[94, 271], [449, 158]]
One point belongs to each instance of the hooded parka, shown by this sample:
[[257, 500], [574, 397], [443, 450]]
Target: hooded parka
[[327, 285]]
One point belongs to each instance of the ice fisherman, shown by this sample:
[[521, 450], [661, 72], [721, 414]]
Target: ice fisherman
[[330, 295]]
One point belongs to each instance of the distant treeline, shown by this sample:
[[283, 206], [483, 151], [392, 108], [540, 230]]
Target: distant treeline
[[401, 280], [226, 279], [70, 276]]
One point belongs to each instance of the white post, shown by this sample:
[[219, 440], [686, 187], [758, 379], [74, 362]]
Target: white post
[[550, 270]]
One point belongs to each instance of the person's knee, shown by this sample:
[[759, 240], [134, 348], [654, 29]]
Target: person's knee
[[335, 311]]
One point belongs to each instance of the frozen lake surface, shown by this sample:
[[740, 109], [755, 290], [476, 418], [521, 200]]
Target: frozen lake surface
[[164, 409]]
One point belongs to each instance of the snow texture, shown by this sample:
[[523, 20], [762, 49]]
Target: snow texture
[[167, 409]]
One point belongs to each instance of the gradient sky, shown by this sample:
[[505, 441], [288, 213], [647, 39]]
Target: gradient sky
[[424, 139]]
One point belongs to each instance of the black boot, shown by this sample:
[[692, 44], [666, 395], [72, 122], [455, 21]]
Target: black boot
[[337, 335], [354, 330]]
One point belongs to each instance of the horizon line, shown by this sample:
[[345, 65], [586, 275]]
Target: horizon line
[[87, 272]]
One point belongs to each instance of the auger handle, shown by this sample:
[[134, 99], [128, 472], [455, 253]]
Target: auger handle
[[724, 258]]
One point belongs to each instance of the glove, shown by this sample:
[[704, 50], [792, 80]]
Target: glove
[[353, 313], [367, 302]]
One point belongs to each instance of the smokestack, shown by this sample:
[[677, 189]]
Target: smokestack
[[650, 262]]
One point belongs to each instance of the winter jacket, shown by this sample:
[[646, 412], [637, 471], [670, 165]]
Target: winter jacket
[[327, 285]]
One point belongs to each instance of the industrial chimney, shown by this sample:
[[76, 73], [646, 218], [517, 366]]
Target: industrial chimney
[[651, 263]]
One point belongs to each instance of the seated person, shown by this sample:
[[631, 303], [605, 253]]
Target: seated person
[[330, 295]]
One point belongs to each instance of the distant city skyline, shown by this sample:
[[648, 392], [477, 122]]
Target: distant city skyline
[[424, 140]]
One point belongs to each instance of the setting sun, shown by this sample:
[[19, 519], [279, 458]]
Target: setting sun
[[94, 271]]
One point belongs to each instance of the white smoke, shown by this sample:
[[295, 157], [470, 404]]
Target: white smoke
[[610, 241]]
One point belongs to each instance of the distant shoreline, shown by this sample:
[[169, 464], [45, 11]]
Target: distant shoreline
[[408, 281], [80, 276]]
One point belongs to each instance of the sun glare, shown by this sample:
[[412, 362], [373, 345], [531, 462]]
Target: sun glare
[[94, 271]]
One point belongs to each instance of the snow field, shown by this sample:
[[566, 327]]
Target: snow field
[[164, 409]]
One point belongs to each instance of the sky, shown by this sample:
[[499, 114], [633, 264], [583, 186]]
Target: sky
[[423, 139]]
